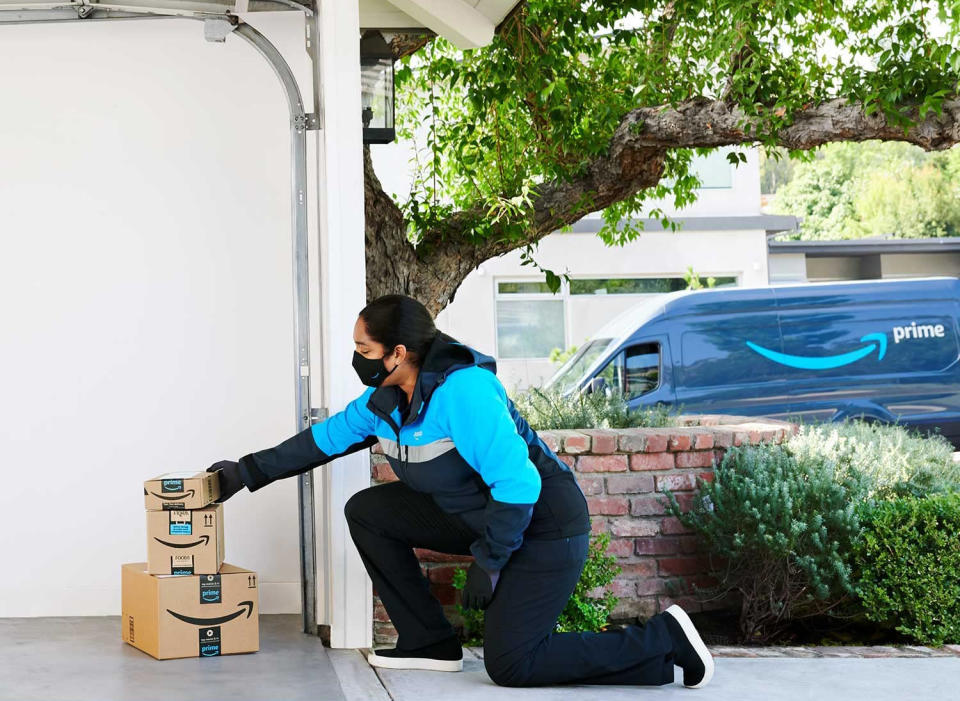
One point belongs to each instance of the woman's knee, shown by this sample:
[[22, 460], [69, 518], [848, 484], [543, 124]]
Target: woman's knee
[[360, 504], [504, 673]]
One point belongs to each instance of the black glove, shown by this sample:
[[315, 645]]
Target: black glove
[[230, 482], [478, 590]]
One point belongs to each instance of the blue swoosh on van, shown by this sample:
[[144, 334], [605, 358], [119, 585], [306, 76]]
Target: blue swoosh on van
[[830, 361]]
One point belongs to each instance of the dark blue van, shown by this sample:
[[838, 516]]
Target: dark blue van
[[879, 350]]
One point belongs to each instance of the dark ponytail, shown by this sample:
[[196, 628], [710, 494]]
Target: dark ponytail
[[394, 320]]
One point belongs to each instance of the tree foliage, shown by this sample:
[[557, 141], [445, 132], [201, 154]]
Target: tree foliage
[[873, 189], [577, 107]]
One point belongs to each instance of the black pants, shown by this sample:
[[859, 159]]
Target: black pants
[[519, 647]]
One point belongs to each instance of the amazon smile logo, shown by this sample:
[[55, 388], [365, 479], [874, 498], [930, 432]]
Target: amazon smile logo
[[873, 340], [205, 539], [248, 605], [189, 492]]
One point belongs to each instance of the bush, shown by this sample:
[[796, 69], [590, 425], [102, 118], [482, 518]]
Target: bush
[[907, 565], [890, 460], [782, 529], [549, 409], [588, 608]]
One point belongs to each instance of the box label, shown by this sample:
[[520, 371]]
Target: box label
[[167, 486], [176, 506], [210, 641], [181, 564], [210, 589], [181, 523]]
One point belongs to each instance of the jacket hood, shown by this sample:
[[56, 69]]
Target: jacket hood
[[444, 356]]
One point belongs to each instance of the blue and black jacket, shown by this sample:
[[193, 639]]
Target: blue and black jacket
[[461, 440]]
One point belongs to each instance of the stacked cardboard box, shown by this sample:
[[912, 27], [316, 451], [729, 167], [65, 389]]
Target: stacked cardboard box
[[185, 601]]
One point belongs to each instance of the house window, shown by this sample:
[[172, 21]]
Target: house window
[[714, 170], [636, 286], [530, 320]]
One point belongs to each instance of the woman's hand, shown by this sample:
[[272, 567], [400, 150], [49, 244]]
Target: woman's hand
[[230, 482], [478, 590]]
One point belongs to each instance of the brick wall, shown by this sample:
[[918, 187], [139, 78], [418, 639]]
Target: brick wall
[[623, 473]]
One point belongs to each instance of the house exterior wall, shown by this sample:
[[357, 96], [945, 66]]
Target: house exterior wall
[[146, 278]]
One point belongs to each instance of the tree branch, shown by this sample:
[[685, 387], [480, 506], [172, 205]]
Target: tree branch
[[709, 123]]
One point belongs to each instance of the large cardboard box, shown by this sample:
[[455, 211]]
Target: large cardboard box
[[181, 490], [185, 542], [193, 616]]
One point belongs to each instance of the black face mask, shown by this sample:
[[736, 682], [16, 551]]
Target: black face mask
[[371, 371]]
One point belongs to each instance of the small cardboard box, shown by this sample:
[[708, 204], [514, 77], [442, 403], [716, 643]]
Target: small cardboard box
[[181, 490], [185, 542], [197, 616]]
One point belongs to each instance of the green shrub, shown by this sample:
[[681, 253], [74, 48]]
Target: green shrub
[[892, 460], [782, 529], [907, 566], [549, 409], [585, 610]]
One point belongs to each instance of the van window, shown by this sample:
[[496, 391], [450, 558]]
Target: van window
[[634, 371], [573, 370]]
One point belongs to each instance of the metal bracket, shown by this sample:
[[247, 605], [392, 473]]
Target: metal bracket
[[217, 30], [318, 414], [307, 122]]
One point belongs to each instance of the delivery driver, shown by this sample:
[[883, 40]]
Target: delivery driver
[[474, 479]]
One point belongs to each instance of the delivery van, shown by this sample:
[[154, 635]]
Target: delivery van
[[877, 350]]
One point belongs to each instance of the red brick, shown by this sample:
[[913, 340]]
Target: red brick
[[681, 565], [689, 605], [647, 506], [650, 585], [658, 545], [634, 527], [688, 543], [591, 486], [376, 449], [623, 588], [442, 574], [672, 526], [707, 476], [551, 439], [598, 525], [620, 547], [613, 506], [380, 614], [679, 441], [382, 472], [604, 440], [702, 439], [676, 482], [444, 593], [651, 461], [722, 438], [640, 440], [602, 463], [695, 458], [685, 501], [425, 555], [629, 484], [574, 442], [643, 568], [568, 460]]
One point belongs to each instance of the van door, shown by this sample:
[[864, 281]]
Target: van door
[[642, 371]]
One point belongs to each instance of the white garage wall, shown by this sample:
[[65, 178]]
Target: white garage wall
[[145, 279]]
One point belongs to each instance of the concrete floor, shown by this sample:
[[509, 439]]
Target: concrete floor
[[84, 658], [735, 679]]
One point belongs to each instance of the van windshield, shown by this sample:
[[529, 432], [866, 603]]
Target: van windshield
[[573, 371]]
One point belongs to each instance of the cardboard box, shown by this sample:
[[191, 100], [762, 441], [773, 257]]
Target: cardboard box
[[185, 542], [181, 490], [194, 616]]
